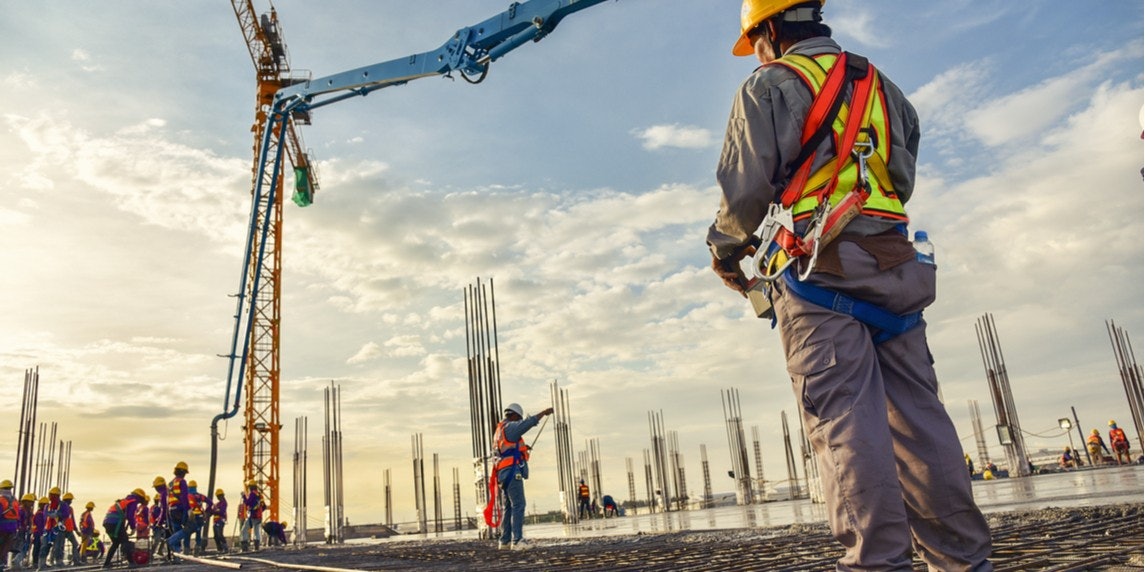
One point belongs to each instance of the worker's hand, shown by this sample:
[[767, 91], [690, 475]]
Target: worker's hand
[[548, 411], [728, 268]]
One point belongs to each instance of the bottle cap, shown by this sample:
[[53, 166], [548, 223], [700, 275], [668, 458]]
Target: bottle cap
[[920, 236]]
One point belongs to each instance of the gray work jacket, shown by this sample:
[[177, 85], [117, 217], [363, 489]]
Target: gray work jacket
[[764, 134]]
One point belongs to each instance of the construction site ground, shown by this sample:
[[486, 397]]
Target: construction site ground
[[1105, 537]]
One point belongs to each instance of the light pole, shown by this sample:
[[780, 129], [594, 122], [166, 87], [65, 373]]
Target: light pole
[[1066, 424]]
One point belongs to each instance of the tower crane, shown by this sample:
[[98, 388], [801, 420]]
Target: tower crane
[[284, 101], [261, 422]]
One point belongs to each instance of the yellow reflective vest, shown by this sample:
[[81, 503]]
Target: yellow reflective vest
[[882, 202]]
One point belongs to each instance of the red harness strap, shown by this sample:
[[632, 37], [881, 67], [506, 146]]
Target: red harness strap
[[820, 112]]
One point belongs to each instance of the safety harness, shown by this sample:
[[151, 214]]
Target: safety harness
[[856, 182]]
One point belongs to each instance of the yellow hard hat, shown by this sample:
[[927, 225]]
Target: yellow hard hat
[[69, 496], [89, 505], [252, 483], [6, 484], [44, 500], [192, 484], [28, 498], [284, 524], [1096, 432], [54, 491], [159, 482], [755, 11], [181, 466], [1112, 423], [139, 493], [219, 492]]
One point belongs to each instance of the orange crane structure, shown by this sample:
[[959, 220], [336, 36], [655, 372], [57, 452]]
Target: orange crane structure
[[261, 423]]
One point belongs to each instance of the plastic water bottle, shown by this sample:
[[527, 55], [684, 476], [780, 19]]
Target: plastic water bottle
[[924, 248]]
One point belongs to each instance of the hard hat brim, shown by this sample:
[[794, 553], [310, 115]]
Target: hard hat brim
[[743, 46]]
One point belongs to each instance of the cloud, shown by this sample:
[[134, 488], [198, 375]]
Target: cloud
[[686, 137], [367, 353], [1031, 110]]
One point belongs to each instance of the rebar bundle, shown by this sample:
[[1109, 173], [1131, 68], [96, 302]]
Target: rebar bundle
[[660, 458], [792, 473], [979, 434], [23, 476], [484, 376], [562, 436], [300, 444], [1130, 374], [332, 467], [707, 501], [760, 484], [419, 482], [1009, 428], [737, 446]]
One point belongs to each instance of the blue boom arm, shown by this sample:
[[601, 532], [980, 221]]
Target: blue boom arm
[[469, 52]]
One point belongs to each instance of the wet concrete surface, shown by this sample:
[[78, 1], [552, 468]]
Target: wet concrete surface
[[1079, 520]]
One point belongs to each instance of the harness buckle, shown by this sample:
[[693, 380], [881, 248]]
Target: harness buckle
[[778, 218]]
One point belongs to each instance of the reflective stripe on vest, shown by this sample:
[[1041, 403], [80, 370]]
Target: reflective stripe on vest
[[883, 202]]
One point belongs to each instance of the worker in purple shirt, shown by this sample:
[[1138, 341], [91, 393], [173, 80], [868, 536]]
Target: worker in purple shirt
[[219, 520], [252, 501], [179, 505]]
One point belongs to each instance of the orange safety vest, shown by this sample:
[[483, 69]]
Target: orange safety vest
[[506, 448], [583, 492], [175, 490], [1117, 436], [9, 508]]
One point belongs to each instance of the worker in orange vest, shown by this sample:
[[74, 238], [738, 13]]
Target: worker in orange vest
[[87, 530], [584, 500], [1119, 442], [512, 469]]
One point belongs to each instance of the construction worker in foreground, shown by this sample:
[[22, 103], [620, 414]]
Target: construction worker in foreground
[[1119, 442], [120, 519], [512, 469], [1096, 445], [852, 361]]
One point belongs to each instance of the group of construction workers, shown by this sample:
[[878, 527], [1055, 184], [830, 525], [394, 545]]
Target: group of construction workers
[[177, 518], [1099, 453]]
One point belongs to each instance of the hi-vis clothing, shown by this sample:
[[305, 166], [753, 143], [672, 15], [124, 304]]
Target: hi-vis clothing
[[758, 148], [835, 179], [510, 444], [890, 460]]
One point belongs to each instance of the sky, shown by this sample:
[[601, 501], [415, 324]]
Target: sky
[[578, 178]]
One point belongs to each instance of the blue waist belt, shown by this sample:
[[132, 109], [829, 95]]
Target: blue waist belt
[[885, 324]]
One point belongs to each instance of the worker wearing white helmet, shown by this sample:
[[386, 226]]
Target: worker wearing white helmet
[[834, 226], [511, 470]]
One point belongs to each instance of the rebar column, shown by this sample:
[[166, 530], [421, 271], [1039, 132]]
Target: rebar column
[[737, 446], [562, 442], [1130, 373], [979, 434], [1009, 428], [484, 377], [707, 501], [792, 474], [760, 483]]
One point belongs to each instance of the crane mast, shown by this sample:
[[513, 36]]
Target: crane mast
[[261, 423]]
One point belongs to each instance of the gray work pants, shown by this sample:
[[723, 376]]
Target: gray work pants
[[890, 460]]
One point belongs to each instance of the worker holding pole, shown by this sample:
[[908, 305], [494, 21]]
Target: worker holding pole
[[511, 470], [845, 285]]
